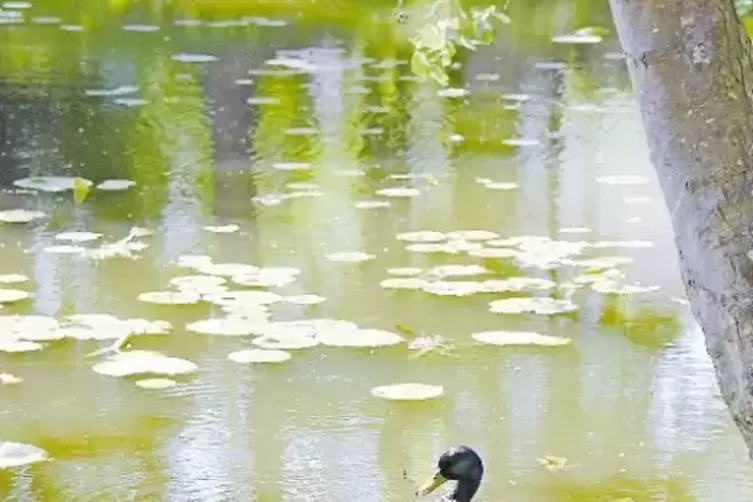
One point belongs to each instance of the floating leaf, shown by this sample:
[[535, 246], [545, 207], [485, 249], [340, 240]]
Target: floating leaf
[[373, 204], [65, 249], [199, 283], [537, 305], [248, 356], [552, 463], [12, 295], [8, 379], [20, 216], [458, 271], [422, 236], [350, 257], [243, 298], [268, 277], [53, 183], [193, 58], [305, 299], [408, 392], [155, 383], [225, 269], [454, 288], [503, 338], [13, 279], [519, 142], [405, 271], [227, 326], [453, 93], [366, 338], [577, 38], [403, 283], [18, 454], [19, 346], [139, 362], [472, 235], [222, 229], [78, 236], [289, 342], [170, 297], [398, 192]]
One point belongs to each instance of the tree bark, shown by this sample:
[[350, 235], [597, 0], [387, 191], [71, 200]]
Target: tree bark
[[690, 64]]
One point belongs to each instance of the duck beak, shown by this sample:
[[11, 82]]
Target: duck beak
[[432, 484]]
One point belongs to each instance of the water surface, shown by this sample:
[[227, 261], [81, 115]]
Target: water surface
[[181, 100]]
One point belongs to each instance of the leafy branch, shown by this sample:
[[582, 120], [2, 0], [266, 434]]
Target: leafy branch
[[442, 28]]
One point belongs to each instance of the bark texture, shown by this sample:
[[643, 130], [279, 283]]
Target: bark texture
[[690, 63]]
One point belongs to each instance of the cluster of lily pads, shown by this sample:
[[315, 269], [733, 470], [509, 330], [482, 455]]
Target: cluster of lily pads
[[527, 252]]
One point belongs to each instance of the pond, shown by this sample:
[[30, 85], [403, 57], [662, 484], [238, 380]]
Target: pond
[[504, 244]]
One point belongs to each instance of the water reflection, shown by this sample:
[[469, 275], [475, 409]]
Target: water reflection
[[284, 124]]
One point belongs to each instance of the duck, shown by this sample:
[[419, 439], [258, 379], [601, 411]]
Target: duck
[[461, 464]]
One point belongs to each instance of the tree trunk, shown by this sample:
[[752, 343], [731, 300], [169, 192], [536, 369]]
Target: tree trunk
[[690, 64]]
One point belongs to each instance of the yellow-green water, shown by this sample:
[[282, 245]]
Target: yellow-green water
[[632, 403]]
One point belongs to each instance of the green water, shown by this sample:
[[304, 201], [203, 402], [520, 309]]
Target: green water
[[632, 404]]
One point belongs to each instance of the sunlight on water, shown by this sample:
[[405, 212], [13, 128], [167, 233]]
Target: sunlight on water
[[276, 265]]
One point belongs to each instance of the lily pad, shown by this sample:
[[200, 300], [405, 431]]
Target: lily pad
[[408, 392], [116, 185], [65, 249], [13, 295], [14, 346], [398, 192], [458, 271], [518, 284], [519, 142], [198, 283], [404, 283], [305, 299], [452, 92], [372, 338], [193, 58], [292, 166], [20, 216], [51, 183], [139, 362], [194, 261], [78, 236], [243, 298], [536, 305], [225, 269], [8, 379], [268, 277], [248, 356], [227, 326], [155, 383], [170, 297], [222, 229], [422, 236], [373, 204], [286, 342], [13, 279], [503, 338], [454, 288], [473, 235], [17, 454], [350, 257], [577, 38]]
